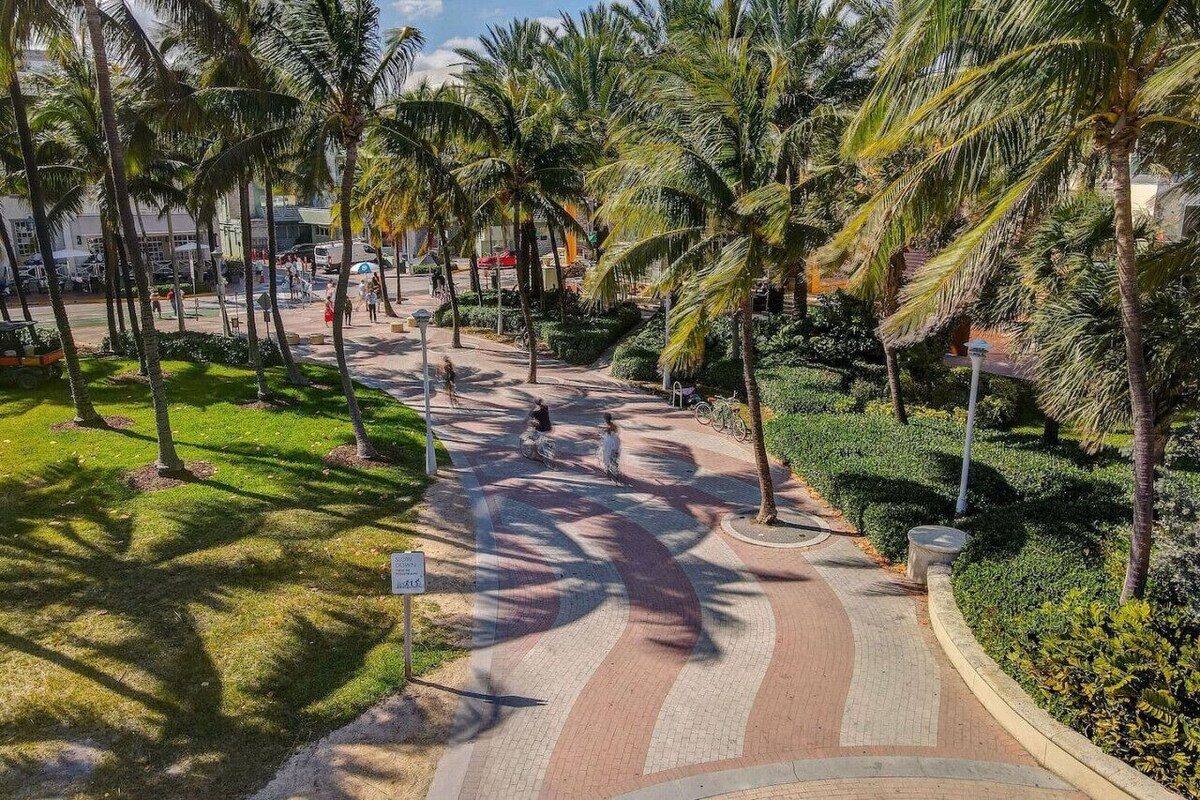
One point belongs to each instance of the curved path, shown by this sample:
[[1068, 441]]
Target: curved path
[[626, 647]]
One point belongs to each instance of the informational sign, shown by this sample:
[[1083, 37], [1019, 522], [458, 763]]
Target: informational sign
[[408, 572], [264, 301]]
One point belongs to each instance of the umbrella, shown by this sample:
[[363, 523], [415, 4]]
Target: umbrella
[[189, 247], [362, 268]]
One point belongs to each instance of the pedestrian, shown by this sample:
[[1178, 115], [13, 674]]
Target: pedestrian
[[328, 312], [347, 307], [156, 302], [372, 307], [362, 294], [179, 303], [450, 377], [609, 452], [291, 279], [170, 299]]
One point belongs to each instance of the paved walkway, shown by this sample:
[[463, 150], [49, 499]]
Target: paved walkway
[[626, 647]]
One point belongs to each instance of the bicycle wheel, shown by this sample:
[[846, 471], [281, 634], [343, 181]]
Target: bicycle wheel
[[547, 453], [720, 418], [527, 448], [703, 412], [739, 429]]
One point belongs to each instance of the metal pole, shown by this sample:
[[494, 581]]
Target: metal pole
[[977, 356], [408, 637], [430, 459]]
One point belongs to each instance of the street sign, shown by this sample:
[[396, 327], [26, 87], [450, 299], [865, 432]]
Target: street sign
[[264, 301], [408, 578], [408, 572]]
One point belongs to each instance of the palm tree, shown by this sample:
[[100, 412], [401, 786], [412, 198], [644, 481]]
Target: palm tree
[[708, 189], [85, 412], [168, 461], [1011, 99], [332, 54]]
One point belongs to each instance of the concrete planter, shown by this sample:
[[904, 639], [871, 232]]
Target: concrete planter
[[292, 338], [412, 324], [398, 327], [316, 338]]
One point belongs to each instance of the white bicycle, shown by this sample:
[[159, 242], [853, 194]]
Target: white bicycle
[[536, 445]]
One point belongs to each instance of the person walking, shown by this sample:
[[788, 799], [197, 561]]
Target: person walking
[[450, 377], [362, 294], [372, 307], [609, 452], [170, 300], [156, 302], [328, 312]]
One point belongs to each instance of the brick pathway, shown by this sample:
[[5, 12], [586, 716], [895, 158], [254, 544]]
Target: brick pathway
[[626, 646]]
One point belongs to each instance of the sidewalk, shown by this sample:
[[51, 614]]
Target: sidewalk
[[626, 646]]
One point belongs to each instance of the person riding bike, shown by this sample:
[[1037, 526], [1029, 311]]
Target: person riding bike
[[540, 419]]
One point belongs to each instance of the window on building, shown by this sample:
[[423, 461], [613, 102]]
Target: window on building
[[24, 238]]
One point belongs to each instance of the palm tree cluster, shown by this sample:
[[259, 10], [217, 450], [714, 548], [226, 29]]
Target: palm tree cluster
[[712, 147]]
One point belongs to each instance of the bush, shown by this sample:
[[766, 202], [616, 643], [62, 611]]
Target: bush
[[636, 358], [202, 348], [1126, 677], [424, 269], [841, 330], [802, 390], [725, 375]]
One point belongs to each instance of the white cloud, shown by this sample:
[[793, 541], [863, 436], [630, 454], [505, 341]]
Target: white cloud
[[551, 23], [417, 9], [441, 64]]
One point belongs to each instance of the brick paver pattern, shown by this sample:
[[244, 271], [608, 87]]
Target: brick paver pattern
[[636, 645]]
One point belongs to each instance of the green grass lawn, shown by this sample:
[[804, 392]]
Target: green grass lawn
[[192, 637]]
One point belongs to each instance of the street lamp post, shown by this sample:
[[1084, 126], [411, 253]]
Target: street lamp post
[[666, 339], [978, 350], [422, 317]]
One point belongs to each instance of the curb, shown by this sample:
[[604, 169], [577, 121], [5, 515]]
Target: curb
[[1055, 746]]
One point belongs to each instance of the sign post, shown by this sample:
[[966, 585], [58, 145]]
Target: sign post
[[408, 578]]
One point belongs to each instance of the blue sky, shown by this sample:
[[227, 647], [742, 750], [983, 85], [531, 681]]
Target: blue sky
[[448, 24]]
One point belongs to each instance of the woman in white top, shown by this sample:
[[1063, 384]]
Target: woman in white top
[[610, 448]]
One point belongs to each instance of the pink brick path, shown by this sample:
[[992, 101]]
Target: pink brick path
[[598, 603]]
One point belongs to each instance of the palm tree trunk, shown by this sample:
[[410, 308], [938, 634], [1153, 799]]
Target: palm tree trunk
[[11, 255], [1050, 430], [260, 377], [448, 274], [558, 276], [365, 450], [112, 300], [476, 283], [535, 265], [168, 460], [139, 345], [767, 514], [174, 269], [1140, 401], [891, 358], [218, 263], [522, 292], [388, 311], [800, 292], [285, 350], [85, 412]]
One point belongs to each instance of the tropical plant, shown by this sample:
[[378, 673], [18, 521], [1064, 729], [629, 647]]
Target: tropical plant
[[1012, 99], [330, 50], [709, 188]]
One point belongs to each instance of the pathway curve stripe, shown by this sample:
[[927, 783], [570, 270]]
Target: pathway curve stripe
[[895, 688], [715, 784]]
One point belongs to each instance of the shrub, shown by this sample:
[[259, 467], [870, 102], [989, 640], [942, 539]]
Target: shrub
[[636, 358], [802, 390], [203, 348], [424, 269], [863, 391], [841, 330], [1126, 677], [724, 374]]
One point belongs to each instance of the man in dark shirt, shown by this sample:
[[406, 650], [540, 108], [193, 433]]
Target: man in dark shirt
[[541, 416]]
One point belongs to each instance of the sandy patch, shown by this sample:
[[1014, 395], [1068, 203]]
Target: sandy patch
[[147, 479], [391, 751], [113, 423]]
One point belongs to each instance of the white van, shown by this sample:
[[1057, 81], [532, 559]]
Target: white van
[[328, 255]]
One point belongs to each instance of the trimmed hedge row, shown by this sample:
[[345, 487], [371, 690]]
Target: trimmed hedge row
[[803, 390], [202, 348], [580, 340]]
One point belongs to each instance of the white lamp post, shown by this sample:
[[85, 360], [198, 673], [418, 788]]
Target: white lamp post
[[422, 317], [978, 350], [667, 339]]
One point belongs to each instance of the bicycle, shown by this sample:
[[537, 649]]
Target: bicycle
[[537, 446], [522, 339], [451, 393], [721, 413]]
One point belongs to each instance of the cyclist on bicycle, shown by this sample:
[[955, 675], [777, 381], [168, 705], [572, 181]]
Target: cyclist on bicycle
[[539, 419]]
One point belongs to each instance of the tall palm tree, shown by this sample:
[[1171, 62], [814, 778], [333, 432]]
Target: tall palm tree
[[85, 412], [709, 190], [1011, 98], [331, 50], [168, 461]]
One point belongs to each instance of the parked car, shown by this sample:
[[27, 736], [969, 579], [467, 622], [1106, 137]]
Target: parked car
[[328, 255], [506, 259]]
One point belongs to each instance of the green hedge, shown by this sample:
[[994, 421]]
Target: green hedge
[[803, 390], [636, 358], [580, 340], [203, 348]]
